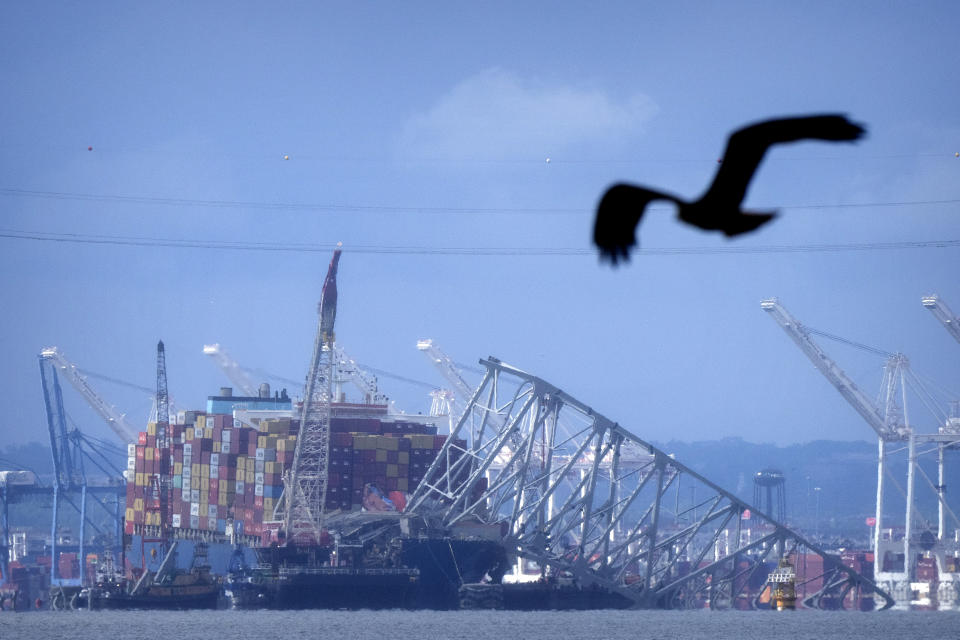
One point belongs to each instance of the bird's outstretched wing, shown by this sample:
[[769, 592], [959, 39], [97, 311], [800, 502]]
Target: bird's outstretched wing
[[746, 147], [618, 214]]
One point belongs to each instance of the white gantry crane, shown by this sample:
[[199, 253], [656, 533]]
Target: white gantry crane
[[891, 424], [946, 317], [305, 486], [116, 420], [232, 369]]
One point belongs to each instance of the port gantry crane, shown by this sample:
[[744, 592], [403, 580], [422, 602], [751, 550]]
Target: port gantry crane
[[116, 420], [942, 312], [345, 369], [514, 478], [71, 450], [305, 486], [891, 424], [232, 369]]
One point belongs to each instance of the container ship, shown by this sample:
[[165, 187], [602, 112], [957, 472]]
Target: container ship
[[227, 472]]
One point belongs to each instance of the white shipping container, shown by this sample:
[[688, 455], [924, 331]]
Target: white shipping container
[[239, 487], [258, 490], [176, 520], [187, 449], [132, 450], [212, 511], [225, 436], [194, 522], [214, 459], [131, 463], [195, 495], [194, 508], [214, 471], [130, 476], [258, 478]]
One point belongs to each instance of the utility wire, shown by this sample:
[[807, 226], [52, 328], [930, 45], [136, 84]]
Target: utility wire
[[139, 241], [305, 206]]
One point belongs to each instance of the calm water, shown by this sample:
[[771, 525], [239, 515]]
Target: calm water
[[492, 625]]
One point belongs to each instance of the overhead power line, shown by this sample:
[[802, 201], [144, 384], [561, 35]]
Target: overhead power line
[[140, 241], [362, 208]]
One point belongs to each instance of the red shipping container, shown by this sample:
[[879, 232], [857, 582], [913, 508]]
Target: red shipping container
[[142, 438], [214, 485], [258, 502]]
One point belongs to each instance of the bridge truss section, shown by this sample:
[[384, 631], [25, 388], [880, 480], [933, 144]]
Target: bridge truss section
[[587, 499]]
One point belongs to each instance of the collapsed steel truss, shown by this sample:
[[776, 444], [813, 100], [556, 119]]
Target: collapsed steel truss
[[578, 493]]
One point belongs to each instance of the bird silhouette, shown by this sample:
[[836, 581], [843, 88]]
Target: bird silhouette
[[718, 209]]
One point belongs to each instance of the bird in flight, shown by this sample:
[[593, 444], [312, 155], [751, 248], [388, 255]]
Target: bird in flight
[[622, 206]]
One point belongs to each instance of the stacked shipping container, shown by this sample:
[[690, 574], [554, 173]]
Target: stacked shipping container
[[225, 474], [220, 473]]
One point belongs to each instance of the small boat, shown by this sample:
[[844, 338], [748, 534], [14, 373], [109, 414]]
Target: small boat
[[783, 581], [166, 588]]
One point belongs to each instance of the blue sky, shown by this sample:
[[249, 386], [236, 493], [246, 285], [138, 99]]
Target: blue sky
[[417, 135]]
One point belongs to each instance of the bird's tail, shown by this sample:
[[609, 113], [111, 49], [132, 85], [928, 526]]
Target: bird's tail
[[745, 223]]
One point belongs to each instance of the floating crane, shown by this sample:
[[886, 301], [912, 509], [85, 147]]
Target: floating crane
[[161, 481], [942, 312], [116, 420], [305, 487]]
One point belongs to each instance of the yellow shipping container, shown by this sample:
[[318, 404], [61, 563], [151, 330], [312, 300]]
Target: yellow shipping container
[[267, 506], [151, 428], [201, 421], [204, 484], [261, 442], [388, 443], [203, 509], [222, 499], [138, 480], [138, 504], [208, 433], [381, 455], [189, 433], [216, 446], [403, 457], [148, 453], [195, 482], [420, 441], [205, 471], [392, 471], [248, 477], [178, 468], [364, 443], [195, 469], [129, 515]]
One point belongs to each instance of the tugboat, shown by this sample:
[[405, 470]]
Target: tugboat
[[167, 588], [783, 581]]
